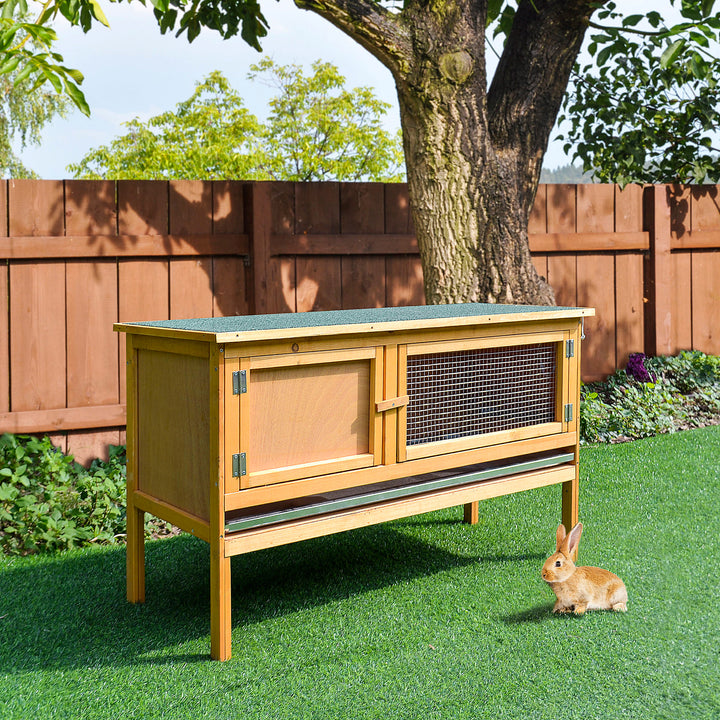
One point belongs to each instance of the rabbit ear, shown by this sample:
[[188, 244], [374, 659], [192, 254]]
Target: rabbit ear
[[574, 538], [560, 535]]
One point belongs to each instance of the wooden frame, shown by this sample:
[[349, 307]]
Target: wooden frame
[[232, 419]]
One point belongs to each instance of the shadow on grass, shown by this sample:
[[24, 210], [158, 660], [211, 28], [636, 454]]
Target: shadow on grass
[[538, 614], [70, 611]]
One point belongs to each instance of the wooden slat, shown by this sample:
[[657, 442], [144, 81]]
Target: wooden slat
[[629, 280], [317, 279], [4, 307], [595, 208], [706, 302], [589, 242], [90, 208], [537, 222], [679, 319], [37, 336], [561, 211], [230, 275], [696, 240], [362, 208], [191, 292], [279, 291], [230, 288], [705, 202], [143, 294], [142, 207], [60, 419], [562, 276], [596, 282], [92, 346], [363, 282], [404, 283], [4, 340], [91, 246], [87, 445], [345, 244]]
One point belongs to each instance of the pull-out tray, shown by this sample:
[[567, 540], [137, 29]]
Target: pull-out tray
[[309, 506]]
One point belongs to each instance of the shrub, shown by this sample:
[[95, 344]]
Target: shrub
[[48, 502], [652, 396]]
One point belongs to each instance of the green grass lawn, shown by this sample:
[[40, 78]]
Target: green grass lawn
[[420, 618]]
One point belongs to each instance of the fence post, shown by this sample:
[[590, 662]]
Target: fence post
[[258, 213], [658, 272]]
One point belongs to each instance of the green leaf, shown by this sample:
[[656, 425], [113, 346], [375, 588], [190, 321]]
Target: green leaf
[[671, 53], [97, 11], [77, 96]]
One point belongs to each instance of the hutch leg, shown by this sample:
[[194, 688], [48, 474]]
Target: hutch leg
[[220, 604], [471, 513], [135, 554]]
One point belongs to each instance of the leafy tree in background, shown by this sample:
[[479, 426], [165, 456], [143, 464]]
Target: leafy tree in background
[[317, 130], [473, 147], [650, 113], [210, 136]]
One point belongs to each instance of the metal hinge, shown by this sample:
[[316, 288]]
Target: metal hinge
[[569, 348], [239, 382], [239, 464], [568, 412]]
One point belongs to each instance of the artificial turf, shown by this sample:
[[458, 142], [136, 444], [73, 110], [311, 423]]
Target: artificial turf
[[420, 618]]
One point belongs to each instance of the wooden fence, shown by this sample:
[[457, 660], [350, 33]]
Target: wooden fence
[[76, 256]]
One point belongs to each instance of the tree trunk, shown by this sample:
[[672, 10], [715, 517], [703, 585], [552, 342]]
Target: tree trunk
[[470, 206], [473, 154]]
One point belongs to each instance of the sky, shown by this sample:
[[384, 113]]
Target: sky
[[131, 70]]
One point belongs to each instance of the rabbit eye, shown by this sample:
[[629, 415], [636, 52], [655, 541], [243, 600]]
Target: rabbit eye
[[558, 563]]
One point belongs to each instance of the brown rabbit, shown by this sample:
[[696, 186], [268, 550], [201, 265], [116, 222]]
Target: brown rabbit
[[580, 588]]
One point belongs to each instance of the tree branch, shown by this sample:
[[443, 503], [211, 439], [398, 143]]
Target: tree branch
[[532, 75], [379, 31]]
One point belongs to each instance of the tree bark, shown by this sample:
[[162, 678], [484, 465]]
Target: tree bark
[[473, 154]]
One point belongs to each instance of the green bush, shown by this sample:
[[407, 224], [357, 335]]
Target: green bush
[[652, 396], [48, 502]]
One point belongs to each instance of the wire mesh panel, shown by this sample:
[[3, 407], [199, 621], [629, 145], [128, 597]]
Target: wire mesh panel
[[473, 392]]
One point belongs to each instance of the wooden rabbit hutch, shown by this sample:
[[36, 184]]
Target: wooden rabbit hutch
[[252, 432]]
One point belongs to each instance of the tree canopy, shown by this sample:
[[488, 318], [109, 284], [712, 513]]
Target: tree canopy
[[646, 108], [316, 130]]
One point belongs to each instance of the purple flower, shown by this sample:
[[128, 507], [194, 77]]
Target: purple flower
[[636, 368]]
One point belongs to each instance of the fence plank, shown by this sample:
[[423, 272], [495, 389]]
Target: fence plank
[[143, 294], [91, 297], [4, 339], [679, 320], [705, 207], [190, 213], [706, 301], [596, 281], [4, 308], [92, 346], [537, 223], [404, 285], [318, 279], [561, 209], [362, 207], [37, 301], [90, 208], [595, 208], [363, 280], [562, 276], [629, 277], [281, 273], [142, 207], [37, 336], [230, 282]]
